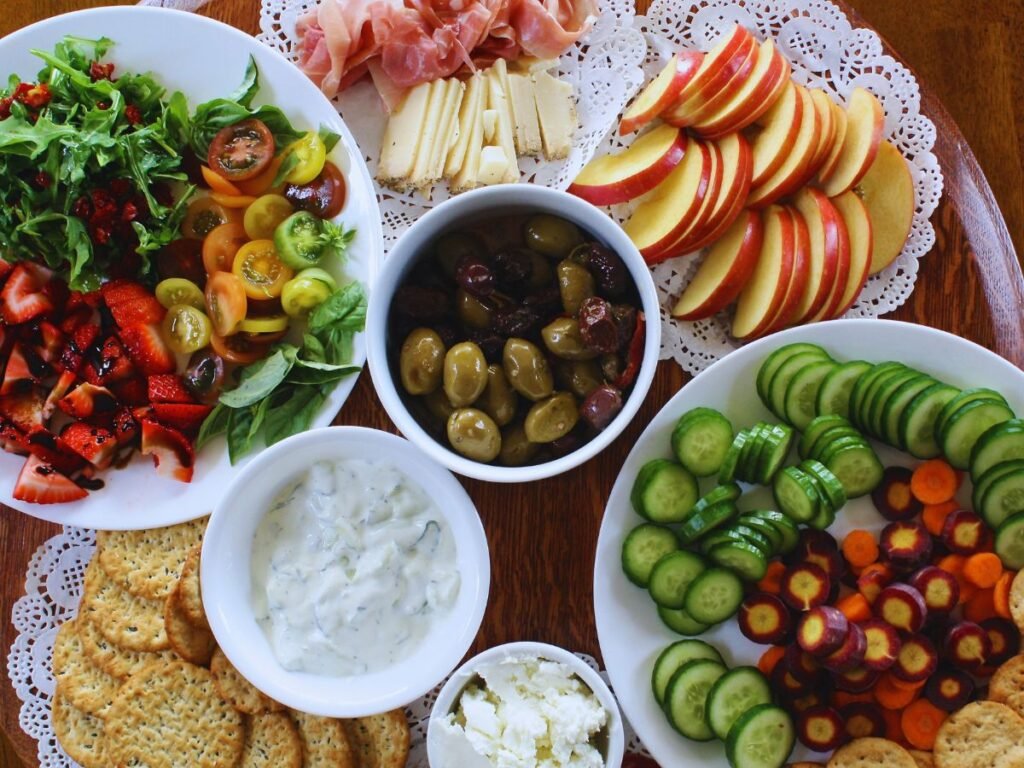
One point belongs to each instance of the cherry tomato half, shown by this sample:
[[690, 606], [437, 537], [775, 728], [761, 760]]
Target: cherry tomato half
[[303, 293], [241, 151], [186, 329], [225, 302], [261, 270], [311, 154], [264, 183], [270, 324], [177, 290], [203, 216], [263, 216], [221, 245], [218, 183], [323, 197], [181, 258], [237, 349]]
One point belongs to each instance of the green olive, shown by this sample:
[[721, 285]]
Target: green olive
[[499, 400], [551, 236], [581, 377], [438, 405], [516, 450], [611, 367], [465, 373], [453, 246], [474, 434], [421, 361], [551, 418], [562, 338], [575, 284], [527, 369], [541, 274], [472, 311]]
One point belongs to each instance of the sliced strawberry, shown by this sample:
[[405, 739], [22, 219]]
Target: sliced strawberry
[[82, 341], [184, 416], [12, 439], [147, 349], [16, 371], [144, 310], [22, 297], [64, 382], [78, 300], [94, 444], [131, 391], [25, 409], [122, 291], [171, 451], [168, 389], [124, 426], [47, 447], [86, 400], [112, 364], [5, 268], [51, 341], [40, 483], [75, 318]]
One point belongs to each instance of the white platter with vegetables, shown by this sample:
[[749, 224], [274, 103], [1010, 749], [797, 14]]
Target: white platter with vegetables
[[309, 361], [726, 526]]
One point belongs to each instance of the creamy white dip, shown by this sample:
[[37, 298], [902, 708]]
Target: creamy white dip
[[351, 568]]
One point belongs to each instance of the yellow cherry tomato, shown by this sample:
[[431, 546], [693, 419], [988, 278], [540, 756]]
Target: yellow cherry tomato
[[303, 293], [268, 324], [186, 329], [261, 270], [311, 154], [263, 216], [178, 290]]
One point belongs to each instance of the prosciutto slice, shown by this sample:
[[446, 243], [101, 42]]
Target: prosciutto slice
[[414, 41]]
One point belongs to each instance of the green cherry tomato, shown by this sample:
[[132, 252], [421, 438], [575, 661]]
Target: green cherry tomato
[[311, 155], [268, 324], [322, 275], [186, 329], [302, 294], [298, 240], [178, 290]]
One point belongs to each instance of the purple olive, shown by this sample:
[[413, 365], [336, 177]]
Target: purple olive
[[517, 321], [204, 376], [475, 276], [598, 326], [421, 304], [608, 269], [601, 407]]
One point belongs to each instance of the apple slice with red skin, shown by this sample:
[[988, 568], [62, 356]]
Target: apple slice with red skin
[[791, 175], [829, 163], [764, 86], [737, 162], [760, 299], [865, 120], [779, 128], [661, 92], [844, 273], [786, 313], [857, 222], [825, 106], [725, 270], [720, 63], [659, 221], [682, 244], [820, 217], [708, 103], [638, 169], [887, 191]]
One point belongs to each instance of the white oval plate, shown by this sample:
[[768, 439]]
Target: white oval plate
[[204, 59], [629, 631]]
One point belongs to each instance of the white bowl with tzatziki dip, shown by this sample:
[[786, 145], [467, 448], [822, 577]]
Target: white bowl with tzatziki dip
[[344, 573], [524, 704]]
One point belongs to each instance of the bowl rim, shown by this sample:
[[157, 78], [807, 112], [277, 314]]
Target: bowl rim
[[454, 686], [402, 257], [226, 586]]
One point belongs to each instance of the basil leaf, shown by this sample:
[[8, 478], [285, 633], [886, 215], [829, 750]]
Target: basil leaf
[[216, 423], [211, 117], [259, 380], [312, 349], [345, 308], [249, 86], [288, 164], [239, 440], [322, 376], [329, 138], [294, 414]]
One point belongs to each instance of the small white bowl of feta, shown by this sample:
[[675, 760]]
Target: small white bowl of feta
[[344, 573], [525, 704]]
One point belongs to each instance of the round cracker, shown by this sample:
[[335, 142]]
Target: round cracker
[[272, 741], [169, 715], [1017, 600], [192, 643], [1007, 684], [325, 742], [84, 684], [114, 660], [923, 759], [148, 562], [127, 621], [380, 741], [79, 733], [978, 736], [191, 595], [805, 765], [242, 694], [871, 752]]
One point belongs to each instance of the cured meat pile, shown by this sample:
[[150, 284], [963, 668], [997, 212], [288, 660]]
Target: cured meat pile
[[402, 43]]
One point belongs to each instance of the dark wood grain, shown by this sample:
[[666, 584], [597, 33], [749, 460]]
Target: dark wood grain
[[542, 535]]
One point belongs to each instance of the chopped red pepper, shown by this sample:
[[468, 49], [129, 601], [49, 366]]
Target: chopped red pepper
[[129, 212], [20, 90], [99, 71], [82, 208], [636, 354], [43, 180], [102, 105], [133, 114], [120, 187], [34, 96], [5, 107]]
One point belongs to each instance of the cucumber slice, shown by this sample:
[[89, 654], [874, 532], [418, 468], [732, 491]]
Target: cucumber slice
[[681, 622], [721, 536], [732, 695], [777, 358], [686, 698], [672, 659], [747, 560], [672, 575], [825, 517], [834, 393], [746, 469], [828, 485], [643, 547], [826, 438], [917, 422], [966, 425], [816, 428], [701, 523], [982, 483], [966, 396], [783, 376], [838, 444], [796, 495], [1002, 442], [765, 528], [897, 403], [861, 414], [732, 457], [1009, 542], [664, 491], [882, 393], [701, 439], [716, 594], [801, 401], [857, 468], [777, 440], [763, 737], [786, 528], [755, 537], [863, 384], [1003, 498]]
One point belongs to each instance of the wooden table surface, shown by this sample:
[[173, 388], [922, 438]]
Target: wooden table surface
[[966, 55]]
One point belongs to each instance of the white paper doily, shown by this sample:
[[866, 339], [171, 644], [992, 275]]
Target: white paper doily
[[53, 589]]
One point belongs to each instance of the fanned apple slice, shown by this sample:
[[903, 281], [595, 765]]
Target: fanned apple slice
[[740, 110], [737, 161], [696, 225], [778, 132], [858, 224], [659, 221], [708, 103], [820, 216], [829, 164], [724, 271], [887, 190], [835, 228], [785, 316], [761, 297], [825, 106], [790, 176], [612, 179], [661, 92], [864, 123], [720, 63]]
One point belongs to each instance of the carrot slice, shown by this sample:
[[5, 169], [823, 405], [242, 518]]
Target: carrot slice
[[842, 698], [855, 607], [983, 569], [218, 183], [770, 658], [920, 723], [934, 481], [893, 729], [771, 582], [954, 564], [934, 515], [1001, 595], [981, 606], [907, 685], [890, 696], [860, 548]]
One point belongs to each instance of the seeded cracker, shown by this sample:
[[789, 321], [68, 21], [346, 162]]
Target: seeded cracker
[[130, 622], [84, 684], [170, 716], [325, 743], [1017, 599], [113, 660], [923, 759], [272, 741], [148, 563], [242, 694], [188, 587], [380, 741], [193, 644], [80, 734], [1007, 684], [984, 734], [871, 752]]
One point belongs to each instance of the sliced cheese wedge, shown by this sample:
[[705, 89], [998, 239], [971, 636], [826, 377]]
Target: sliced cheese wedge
[[504, 131], [429, 129], [469, 112], [556, 109], [490, 123], [493, 165], [446, 133], [524, 115], [403, 137], [466, 176]]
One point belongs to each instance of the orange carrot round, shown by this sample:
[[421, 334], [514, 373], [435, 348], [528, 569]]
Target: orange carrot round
[[769, 659], [1001, 595], [771, 582], [860, 548], [841, 698], [981, 606], [934, 515], [920, 723], [855, 607], [934, 481], [983, 569], [891, 696]]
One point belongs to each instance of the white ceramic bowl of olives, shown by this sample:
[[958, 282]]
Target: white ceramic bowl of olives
[[513, 332]]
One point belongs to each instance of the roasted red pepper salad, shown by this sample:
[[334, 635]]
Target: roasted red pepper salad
[[157, 264]]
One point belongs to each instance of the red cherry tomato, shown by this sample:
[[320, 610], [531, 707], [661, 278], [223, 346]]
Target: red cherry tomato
[[221, 245], [181, 258], [225, 302], [241, 151], [237, 349], [324, 196]]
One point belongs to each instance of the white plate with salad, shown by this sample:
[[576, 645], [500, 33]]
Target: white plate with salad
[[631, 633], [96, 167]]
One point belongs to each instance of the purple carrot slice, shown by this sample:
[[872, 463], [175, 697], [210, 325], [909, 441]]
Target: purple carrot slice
[[765, 619], [856, 680], [850, 654], [906, 544], [862, 720], [1004, 640], [801, 664], [883, 645], [967, 645], [916, 660], [892, 497], [902, 606], [788, 686], [964, 532], [939, 588], [805, 586], [949, 689], [872, 581], [821, 728], [822, 631]]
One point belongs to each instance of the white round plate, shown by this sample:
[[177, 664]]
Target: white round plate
[[204, 59], [630, 633]]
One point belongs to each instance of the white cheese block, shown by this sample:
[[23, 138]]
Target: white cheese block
[[556, 109], [504, 131], [430, 129], [524, 114], [447, 133], [490, 123], [493, 165], [403, 136], [469, 111], [465, 176]]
